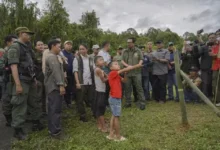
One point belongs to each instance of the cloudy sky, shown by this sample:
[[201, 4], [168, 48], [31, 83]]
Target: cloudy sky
[[178, 15]]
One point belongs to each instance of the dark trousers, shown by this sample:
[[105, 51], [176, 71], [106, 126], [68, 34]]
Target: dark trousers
[[151, 79], [172, 82], [69, 89], [107, 93], [190, 96], [206, 76], [85, 94], [159, 87], [145, 85], [54, 111]]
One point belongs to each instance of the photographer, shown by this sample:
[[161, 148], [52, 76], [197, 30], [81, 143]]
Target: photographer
[[206, 65], [189, 56]]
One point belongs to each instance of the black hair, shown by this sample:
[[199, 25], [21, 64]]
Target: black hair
[[96, 58], [84, 45], [120, 48], [105, 43], [211, 34], [35, 42], [53, 43], [9, 38], [110, 64], [133, 39], [217, 31]]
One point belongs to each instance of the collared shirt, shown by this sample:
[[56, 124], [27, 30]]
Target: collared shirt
[[54, 75], [87, 77], [160, 68], [107, 59]]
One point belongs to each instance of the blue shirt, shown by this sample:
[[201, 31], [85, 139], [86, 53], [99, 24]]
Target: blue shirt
[[70, 58], [146, 65]]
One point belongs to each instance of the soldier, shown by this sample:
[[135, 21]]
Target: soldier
[[118, 57], [130, 57], [24, 91], [55, 87], [6, 83], [39, 49]]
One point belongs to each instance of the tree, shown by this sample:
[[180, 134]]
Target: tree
[[89, 20]]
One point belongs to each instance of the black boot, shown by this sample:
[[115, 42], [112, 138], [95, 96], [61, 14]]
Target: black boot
[[19, 134], [37, 125], [8, 120]]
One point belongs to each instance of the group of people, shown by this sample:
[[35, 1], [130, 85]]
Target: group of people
[[39, 81]]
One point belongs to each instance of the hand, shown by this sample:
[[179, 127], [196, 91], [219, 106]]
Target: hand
[[19, 89], [62, 90], [212, 54], [78, 86], [130, 67]]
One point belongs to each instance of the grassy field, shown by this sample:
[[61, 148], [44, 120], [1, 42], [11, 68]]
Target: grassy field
[[156, 128]]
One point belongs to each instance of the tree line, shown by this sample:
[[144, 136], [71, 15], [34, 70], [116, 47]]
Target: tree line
[[54, 21]]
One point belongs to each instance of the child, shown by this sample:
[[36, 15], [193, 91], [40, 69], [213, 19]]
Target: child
[[100, 86], [115, 98], [189, 94]]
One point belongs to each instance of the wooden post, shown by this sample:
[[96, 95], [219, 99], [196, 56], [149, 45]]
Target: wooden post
[[199, 93], [180, 89]]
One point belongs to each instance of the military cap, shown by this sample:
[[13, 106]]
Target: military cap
[[23, 30], [170, 44], [95, 47], [159, 42], [68, 42]]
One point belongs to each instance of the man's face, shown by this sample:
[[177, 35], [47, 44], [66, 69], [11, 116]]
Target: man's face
[[192, 73], [119, 51], [39, 46], [68, 46], [83, 50], [159, 45], [130, 43], [149, 45], [188, 48], [171, 48], [96, 51], [26, 37], [57, 48], [107, 47], [212, 38]]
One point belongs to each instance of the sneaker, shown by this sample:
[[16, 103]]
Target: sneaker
[[142, 107], [120, 139], [218, 105], [37, 126], [110, 138], [127, 105], [83, 119], [19, 134]]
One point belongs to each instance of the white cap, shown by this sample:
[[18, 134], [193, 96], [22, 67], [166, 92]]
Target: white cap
[[95, 46]]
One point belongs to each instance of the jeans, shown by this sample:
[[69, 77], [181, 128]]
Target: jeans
[[190, 96], [171, 81], [145, 85]]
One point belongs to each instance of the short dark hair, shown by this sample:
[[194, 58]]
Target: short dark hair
[[35, 42], [53, 43], [105, 43], [211, 34], [96, 58], [9, 38], [84, 45], [133, 39], [110, 64]]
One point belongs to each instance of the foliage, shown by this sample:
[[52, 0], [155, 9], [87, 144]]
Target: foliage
[[156, 128], [54, 21]]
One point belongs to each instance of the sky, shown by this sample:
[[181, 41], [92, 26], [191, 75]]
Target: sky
[[119, 15]]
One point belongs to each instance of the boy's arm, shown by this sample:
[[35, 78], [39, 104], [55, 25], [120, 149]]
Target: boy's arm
[[129, 68], [102, 76]]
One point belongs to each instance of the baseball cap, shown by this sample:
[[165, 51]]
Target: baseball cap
[[23, 30], [170, 44], [68, 42], [95, 47], [194, 68], [159, 41]]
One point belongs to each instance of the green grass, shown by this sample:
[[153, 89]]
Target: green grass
[[156, 128]]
